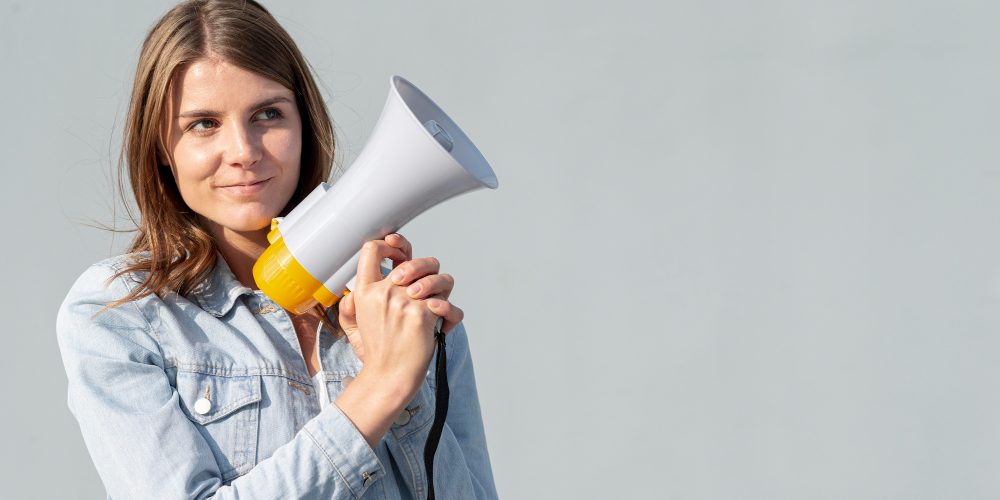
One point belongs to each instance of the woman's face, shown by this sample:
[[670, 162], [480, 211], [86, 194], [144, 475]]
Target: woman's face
[[236, 141]]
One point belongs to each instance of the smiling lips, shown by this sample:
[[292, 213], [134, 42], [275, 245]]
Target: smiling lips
[[246, 189]]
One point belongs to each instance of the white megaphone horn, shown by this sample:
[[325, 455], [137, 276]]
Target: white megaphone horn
[[415, 158]]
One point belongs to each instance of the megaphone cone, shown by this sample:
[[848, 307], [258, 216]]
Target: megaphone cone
[[416, 158]]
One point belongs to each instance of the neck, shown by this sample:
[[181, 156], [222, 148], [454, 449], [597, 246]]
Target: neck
[[241, 249]]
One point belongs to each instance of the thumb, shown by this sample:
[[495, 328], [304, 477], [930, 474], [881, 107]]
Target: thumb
[[347, 309], [348, 323]]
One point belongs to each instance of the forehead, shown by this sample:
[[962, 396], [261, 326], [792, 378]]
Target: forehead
[[216, 84]]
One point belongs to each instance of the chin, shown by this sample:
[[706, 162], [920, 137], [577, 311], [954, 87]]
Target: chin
[[244, 223], [255, 224]]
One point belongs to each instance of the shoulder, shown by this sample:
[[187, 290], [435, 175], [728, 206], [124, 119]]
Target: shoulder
[[111, 266], [101, 284], [87, 329]]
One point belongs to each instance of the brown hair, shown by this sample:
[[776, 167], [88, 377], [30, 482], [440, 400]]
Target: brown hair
[[172, 250]]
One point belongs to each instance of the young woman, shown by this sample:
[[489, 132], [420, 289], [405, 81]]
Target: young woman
[[186, 380]]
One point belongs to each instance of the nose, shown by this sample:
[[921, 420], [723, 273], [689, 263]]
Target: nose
[[242, 147]]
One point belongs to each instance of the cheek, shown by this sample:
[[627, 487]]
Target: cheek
[[191, 168], [287, 153], [286, 147]]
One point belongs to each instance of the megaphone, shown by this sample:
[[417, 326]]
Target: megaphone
[[415, 158]]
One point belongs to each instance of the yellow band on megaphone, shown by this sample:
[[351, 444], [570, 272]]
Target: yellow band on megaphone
[[282, 278]]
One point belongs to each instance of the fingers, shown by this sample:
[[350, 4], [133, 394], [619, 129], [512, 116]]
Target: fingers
[[398, 241], [412, 270], [451, 313], [439, 285], [347, 320], [370, 260], [346, 306]]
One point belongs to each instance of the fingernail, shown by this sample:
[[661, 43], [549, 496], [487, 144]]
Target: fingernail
[[396, 276], [414, 289]]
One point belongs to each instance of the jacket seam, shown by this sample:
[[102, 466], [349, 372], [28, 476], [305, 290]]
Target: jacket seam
[[329, 459], [116, 268], [204, 369]]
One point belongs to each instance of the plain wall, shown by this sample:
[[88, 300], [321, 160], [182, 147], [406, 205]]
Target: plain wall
[[739, 249]]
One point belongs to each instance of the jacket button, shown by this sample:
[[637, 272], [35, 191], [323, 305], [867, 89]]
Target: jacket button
[[202, 406], [403, 418]]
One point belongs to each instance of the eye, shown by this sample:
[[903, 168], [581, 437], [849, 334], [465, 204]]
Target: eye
[[202, 125], [268, 114]]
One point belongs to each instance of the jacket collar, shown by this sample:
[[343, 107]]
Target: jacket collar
[[217, 293]]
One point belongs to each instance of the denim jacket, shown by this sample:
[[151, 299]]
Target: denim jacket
[[208, 396]]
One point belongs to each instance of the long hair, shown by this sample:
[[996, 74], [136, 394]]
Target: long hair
[[171, 250]]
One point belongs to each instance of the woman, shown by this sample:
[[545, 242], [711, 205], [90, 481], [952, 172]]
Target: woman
[[186, 380]]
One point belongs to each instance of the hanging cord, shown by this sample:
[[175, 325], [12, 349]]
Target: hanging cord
[[441, 394], [440, 410]]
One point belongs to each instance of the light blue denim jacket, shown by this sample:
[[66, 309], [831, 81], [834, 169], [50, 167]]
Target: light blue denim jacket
[[137, 371]]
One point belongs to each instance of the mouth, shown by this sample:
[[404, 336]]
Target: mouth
[[247, 188]]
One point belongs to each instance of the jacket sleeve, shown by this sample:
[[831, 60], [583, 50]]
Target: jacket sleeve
[[143, 445], [462, 463]]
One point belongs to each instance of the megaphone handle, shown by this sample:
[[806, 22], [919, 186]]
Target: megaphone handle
[[440, 408]]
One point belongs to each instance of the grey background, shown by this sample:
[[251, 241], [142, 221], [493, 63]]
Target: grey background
[[739, 250]]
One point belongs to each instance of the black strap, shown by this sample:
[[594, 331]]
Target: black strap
[[440, 412]]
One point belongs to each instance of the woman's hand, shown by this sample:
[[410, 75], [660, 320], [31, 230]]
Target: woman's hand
[[422, 280], [392, 331], [419, 276]]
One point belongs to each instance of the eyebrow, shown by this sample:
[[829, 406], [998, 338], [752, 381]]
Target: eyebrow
[[213, 114]]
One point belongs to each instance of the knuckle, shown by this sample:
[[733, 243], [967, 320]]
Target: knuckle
[[444, 307], [394, 297], [412, 312], [370, 246], [406, 268]]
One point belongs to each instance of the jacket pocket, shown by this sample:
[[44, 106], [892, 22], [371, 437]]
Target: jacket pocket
[[336, 382], [226, 410]]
